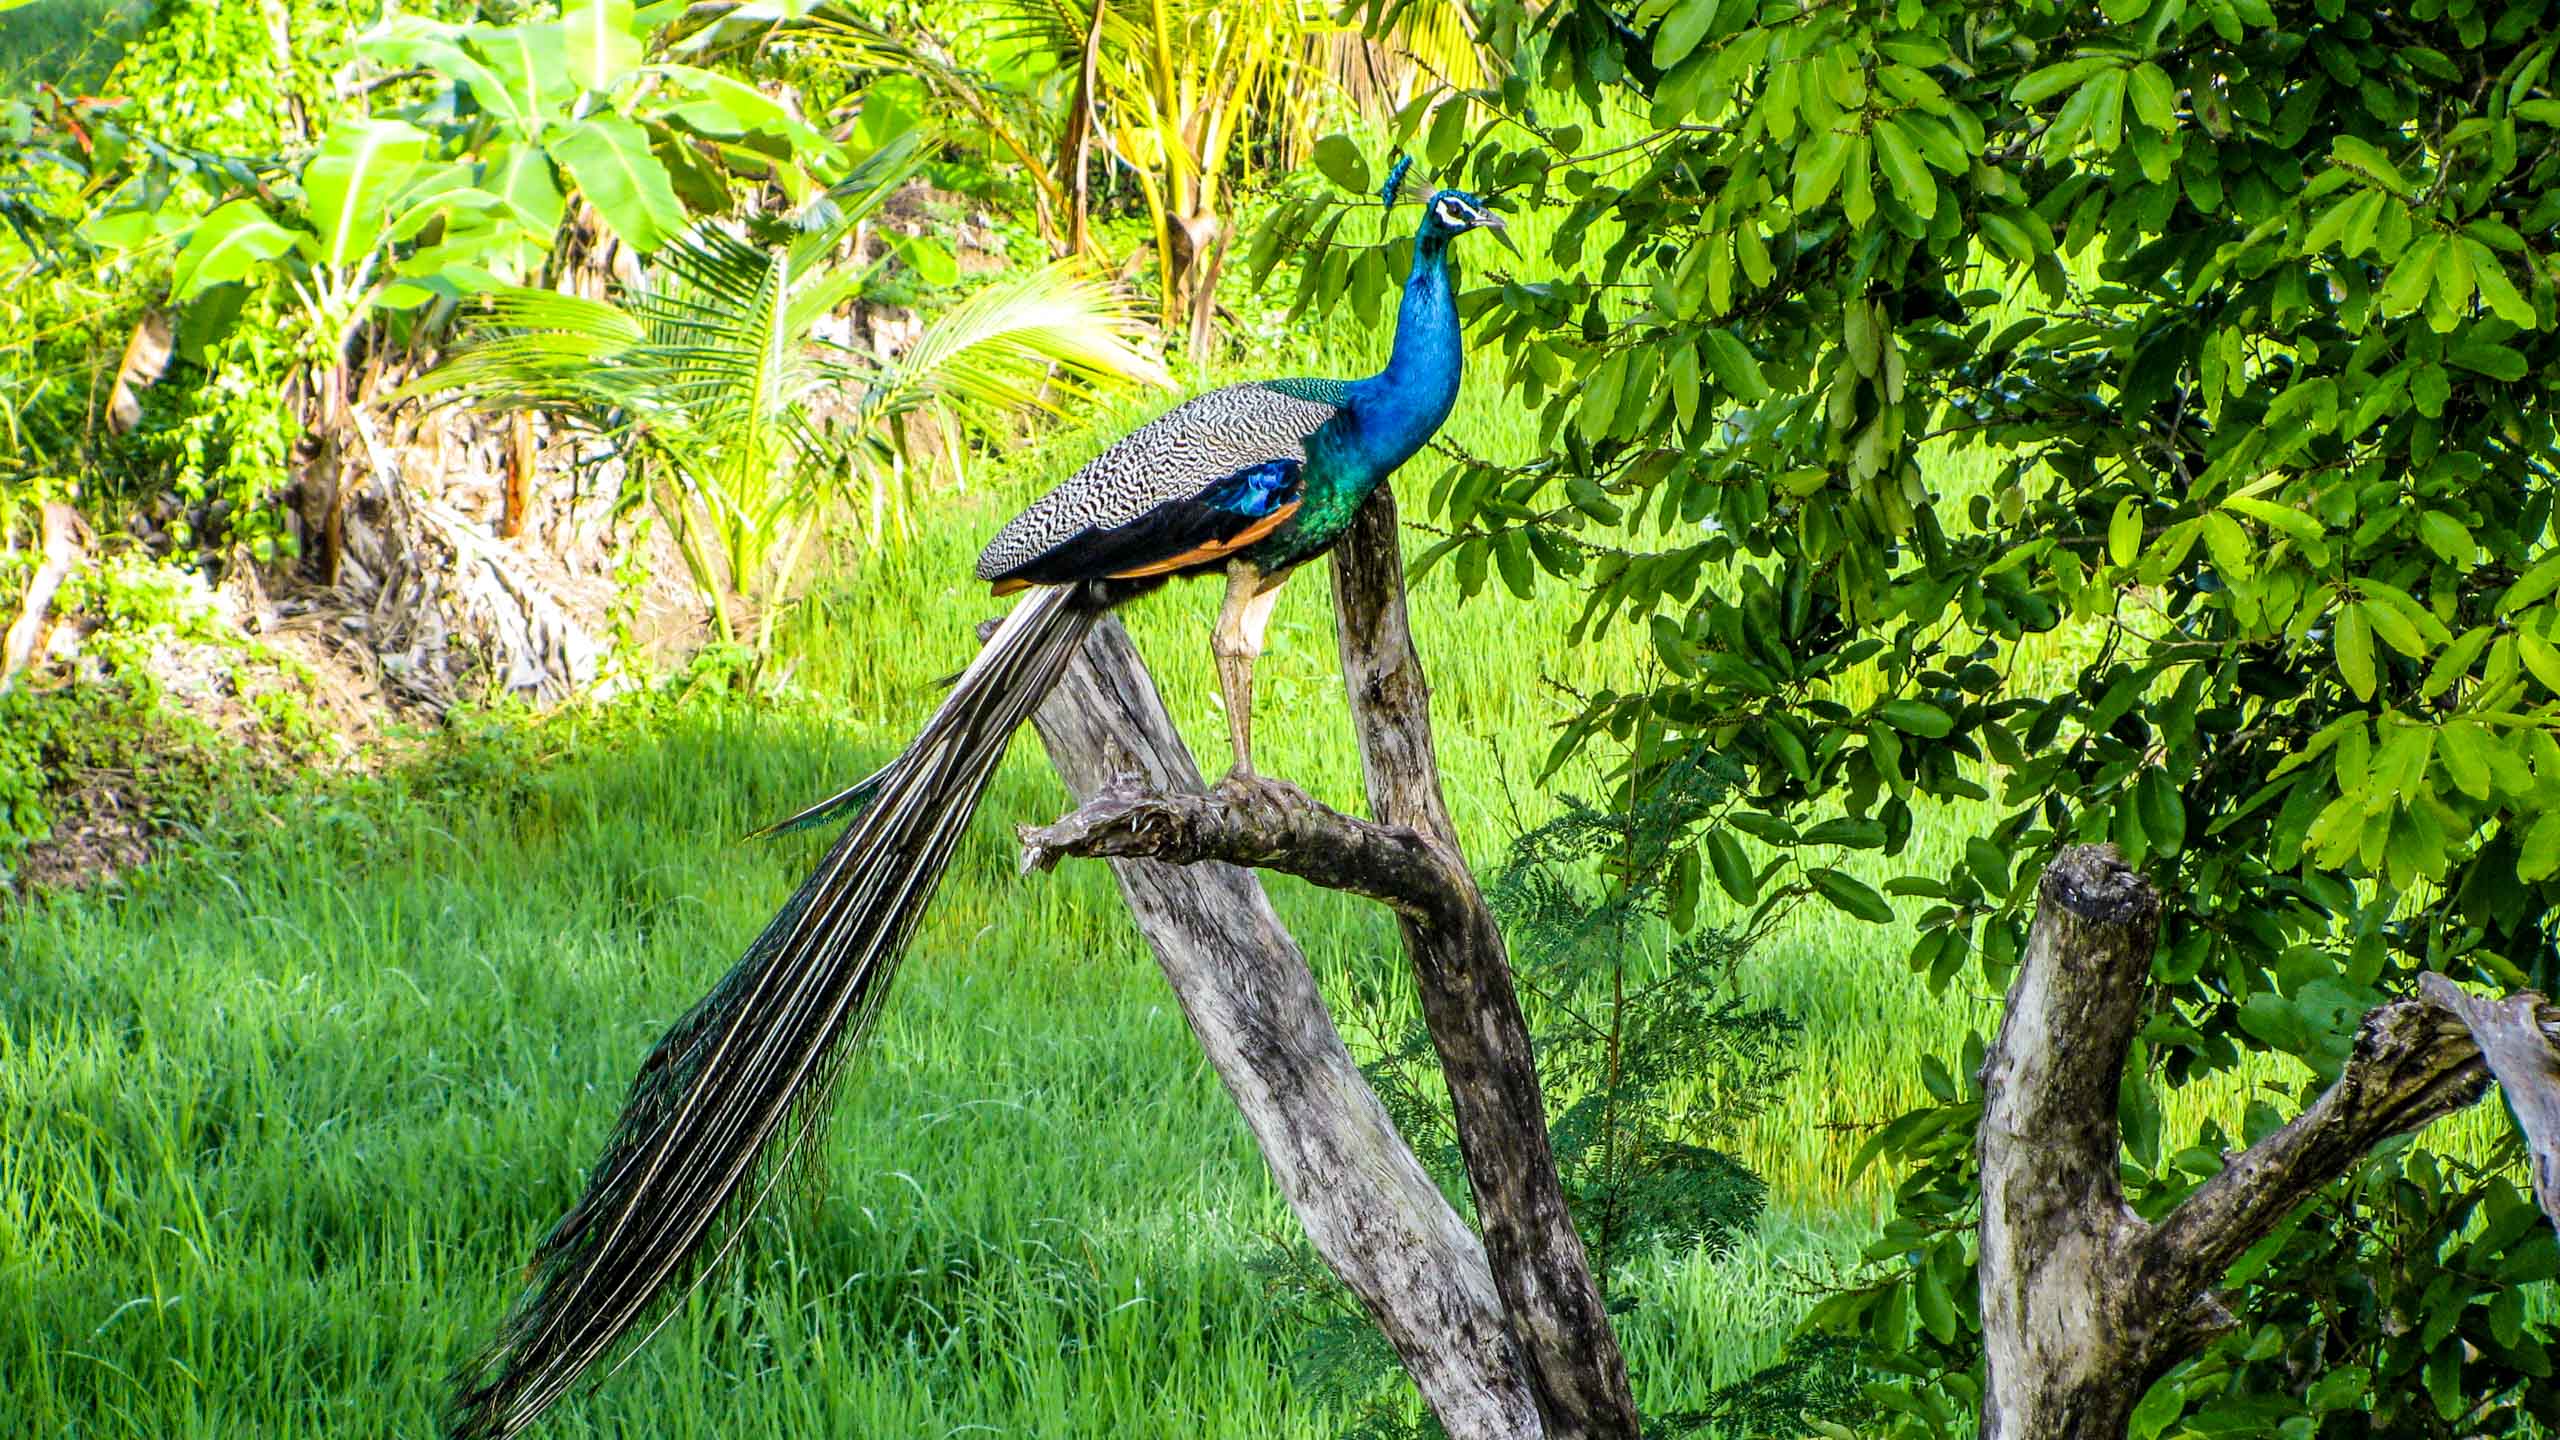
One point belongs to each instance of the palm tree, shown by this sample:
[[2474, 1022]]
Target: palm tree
[[741, 422], [1184, 98]]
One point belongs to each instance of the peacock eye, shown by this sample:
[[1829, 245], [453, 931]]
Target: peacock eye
[[1450, 214]]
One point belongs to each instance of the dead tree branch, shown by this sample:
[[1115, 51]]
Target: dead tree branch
[[2515, 1036], [1463, 970], [1366, 1202]]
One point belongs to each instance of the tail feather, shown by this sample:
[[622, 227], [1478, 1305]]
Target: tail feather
[[717, 1099], [838, 806]]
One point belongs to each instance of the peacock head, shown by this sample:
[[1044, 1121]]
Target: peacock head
[[1453, 212]]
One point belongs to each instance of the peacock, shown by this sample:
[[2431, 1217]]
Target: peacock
[[1250, 481]]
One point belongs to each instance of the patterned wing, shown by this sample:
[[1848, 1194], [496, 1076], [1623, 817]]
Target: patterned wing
[[1195, 479]]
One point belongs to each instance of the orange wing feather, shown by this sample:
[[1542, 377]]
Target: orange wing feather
[[1202, 554], [1197, 555]]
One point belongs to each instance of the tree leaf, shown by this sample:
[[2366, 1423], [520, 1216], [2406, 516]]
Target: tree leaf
[[2539, 856], [414, 40], [1681, 31], [228, 245], [2229, 545], [2124, 531], [747, 110], [2052, 80], [521, 176], [2532, 585], [532, 61], [2459, 745], [2106, 115], [2497, 292], [1339, 159], [1819, 158], [361, 166], [2355, 650], [601, 46], [1917, 717], [1850, 894], [2406, 287], [1904, 170], [1736, 371], [2282, 518], [1732, 867], [609, 158], [2164, 811], [2448, 537], [2498, 362], [2539, 658], [2394, 628], [1936, 1307], [2367, 160], [2155, 100]]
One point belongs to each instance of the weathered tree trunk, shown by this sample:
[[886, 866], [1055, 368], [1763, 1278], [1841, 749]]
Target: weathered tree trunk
[[1561, 1352], [2514, 1036], [2084, 1305], [2055, 1227]]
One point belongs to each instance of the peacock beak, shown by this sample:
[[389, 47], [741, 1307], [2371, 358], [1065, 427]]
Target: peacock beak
[[1501, 232]]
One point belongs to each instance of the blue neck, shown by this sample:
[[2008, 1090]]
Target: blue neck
[[1394, 411]]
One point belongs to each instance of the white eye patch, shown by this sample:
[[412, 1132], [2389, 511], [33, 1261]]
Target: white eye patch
[[1452, 213]]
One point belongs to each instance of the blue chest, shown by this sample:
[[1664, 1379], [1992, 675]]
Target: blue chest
[[1385, 419]]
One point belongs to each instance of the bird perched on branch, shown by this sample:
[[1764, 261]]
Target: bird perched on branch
[[1250, 481]]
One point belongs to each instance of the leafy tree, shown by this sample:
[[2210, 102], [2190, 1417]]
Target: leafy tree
[[2247, 310], [742, 420]]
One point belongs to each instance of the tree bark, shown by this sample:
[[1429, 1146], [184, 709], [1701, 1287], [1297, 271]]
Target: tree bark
[[1463, 970], [2084, 1305], [1366, 1202], [2514, 1036]]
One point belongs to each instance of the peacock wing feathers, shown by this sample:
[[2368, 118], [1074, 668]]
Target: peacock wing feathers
[[1207, 476]]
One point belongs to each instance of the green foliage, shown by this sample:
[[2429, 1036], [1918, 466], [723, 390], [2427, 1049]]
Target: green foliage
[[1622, 1031], [713, 377], [2245, 313], [67, 43], [96, 189], [163, 769], [223, 439], [1651, 1066], [461, 187]]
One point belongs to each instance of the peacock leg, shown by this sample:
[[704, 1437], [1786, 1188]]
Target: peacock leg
[[1235, 643]]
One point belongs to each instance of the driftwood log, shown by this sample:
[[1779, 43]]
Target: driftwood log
[[2084, 1304], [1504, 1337]]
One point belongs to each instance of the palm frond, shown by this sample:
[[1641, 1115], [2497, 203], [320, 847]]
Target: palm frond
[[1027, 342]]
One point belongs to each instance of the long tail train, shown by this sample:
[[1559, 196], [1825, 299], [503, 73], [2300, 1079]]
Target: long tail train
[[747, 1069]]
